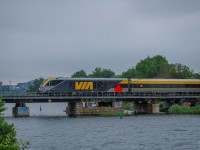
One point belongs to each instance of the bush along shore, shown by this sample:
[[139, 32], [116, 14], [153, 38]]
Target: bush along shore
[[111, 113], [126, 111], [176, 109]]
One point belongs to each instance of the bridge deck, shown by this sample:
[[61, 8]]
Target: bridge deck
[[94, 96]]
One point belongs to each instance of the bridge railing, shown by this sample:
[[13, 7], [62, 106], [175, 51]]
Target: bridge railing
[[109, 94]]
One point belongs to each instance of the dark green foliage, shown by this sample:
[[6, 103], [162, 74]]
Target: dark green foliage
[[2, 108], [158, 67], [152, 67], [127, 106], [112, 113], [79, 74], [36, 85], [8, 140], [130, 73], [7, 132], [176, 109], [97, 73], [161, 106], [102, 73], [196, 75], [179, 71]]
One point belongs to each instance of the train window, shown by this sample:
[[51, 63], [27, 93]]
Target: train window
[[71, 85], [134, 85], [94, 85], [192, 86], [141, 86], [167, 86], [159, 86], [55, 82], [58, 81], [101, 85], [195, 86], [188, 86], [152, 86], [173, 86]]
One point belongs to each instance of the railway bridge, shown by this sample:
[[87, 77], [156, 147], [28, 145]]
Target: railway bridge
[[144, 102]]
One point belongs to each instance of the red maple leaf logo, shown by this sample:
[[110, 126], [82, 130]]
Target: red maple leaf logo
[[118, 88]]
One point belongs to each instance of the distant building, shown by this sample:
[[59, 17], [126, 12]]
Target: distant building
[[20, 88], [23, 87], [6, 88]]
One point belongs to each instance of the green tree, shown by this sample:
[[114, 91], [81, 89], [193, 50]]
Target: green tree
[[179, 71], [79, 74], [196, 75], [154, 67], [130, 73], [36, 84], [8, 140], [102, 73]]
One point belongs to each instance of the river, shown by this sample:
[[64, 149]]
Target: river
[[49, 128]]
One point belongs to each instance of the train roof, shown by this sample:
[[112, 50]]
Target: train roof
[[165, 79], [105, 79], [132, 79]]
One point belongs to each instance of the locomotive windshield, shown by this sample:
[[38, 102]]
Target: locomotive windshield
[[53, 82]]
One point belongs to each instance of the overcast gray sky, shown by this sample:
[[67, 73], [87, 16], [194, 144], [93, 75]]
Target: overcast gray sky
[[43, 38]]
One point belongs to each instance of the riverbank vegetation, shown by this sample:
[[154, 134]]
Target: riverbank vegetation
[[112, 113], [8, 140], [176, 109], [125, 106]]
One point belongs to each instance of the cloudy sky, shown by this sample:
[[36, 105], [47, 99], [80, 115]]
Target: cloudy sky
[[43, 38]]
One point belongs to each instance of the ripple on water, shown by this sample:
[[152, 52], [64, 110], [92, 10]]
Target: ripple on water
[[96, 133]]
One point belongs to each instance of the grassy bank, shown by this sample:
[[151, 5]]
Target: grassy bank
[[125, 106], [111, 113], [176, 109]]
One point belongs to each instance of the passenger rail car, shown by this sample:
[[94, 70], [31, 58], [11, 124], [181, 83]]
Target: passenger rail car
[[111, 85]]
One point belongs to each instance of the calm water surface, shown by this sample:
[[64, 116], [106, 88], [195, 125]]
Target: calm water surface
[[51, 129]]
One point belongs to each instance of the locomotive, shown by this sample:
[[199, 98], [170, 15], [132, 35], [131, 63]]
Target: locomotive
[[113, 85]]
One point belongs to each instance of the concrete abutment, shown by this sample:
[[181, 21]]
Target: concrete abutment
[[146, 108], [80, 109], [20, 110]]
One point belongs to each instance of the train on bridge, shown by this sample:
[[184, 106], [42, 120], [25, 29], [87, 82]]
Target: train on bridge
[[118, 85], [104, 91]]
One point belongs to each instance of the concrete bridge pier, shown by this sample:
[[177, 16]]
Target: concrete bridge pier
[[20, 110], [81, 109], [167, 105], [74, 108], [184, 103], [142, 107], [146, 107]]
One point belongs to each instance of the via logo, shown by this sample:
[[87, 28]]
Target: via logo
[[84, 85]]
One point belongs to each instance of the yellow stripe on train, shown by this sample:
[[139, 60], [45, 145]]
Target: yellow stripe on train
[[159, 82]]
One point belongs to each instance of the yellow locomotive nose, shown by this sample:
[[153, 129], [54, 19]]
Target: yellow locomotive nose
[[45, 82]]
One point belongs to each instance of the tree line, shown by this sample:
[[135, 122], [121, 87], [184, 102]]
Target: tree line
[[150, 67]]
